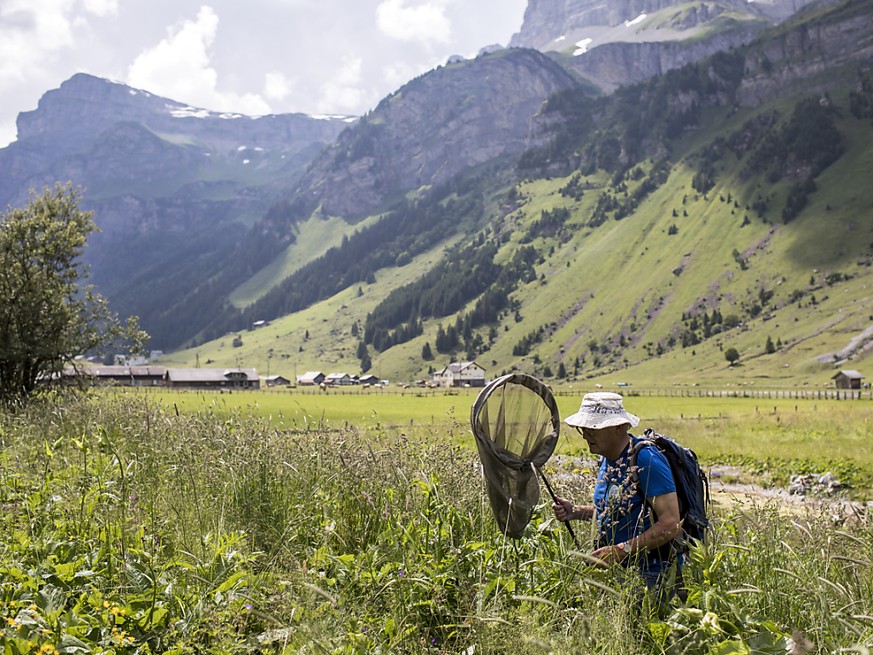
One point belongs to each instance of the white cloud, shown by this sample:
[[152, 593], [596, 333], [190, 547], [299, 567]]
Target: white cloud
[[344, 93], [8, 132], [179, 67], [31, 35], [425, 22], [398, 73], [277, 86], [102, 7]]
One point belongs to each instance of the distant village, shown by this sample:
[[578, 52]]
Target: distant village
[[455, 374]]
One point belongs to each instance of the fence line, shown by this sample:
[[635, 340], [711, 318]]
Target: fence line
[[769, 394], [667, 392]]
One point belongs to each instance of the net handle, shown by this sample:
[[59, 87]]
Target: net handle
[[555, 499]]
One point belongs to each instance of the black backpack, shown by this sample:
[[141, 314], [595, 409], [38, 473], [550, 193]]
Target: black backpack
[[692, 486]]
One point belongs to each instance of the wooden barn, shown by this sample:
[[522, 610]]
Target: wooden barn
[[848, 380]]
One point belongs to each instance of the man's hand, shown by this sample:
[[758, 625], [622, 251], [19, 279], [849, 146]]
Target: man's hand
[[566, 511], [610, 554], [563, 509]]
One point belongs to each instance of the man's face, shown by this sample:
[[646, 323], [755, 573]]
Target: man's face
[[602, 441]]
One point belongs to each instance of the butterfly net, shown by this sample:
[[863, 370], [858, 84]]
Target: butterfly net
[[515, 422]]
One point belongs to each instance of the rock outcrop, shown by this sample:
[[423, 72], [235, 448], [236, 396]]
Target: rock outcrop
[[619, 42], [169, 184], [456, 117]]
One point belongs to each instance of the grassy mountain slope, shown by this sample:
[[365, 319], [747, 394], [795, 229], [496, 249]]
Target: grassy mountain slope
[[611, 295], [668, 224]]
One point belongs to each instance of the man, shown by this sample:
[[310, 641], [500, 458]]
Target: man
[[628, 533]]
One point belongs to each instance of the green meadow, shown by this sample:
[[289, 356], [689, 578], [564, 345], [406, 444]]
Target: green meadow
[[141, 523], [771, 438]]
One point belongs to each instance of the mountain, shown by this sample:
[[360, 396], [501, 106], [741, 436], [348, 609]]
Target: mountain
[[617, 42], [506, 208], [169, 184], [638, 236], [454, 118]]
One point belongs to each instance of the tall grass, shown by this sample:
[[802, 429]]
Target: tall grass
[[129, 528]]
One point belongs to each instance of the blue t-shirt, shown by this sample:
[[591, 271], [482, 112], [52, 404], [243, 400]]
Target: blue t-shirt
[[621, 510]]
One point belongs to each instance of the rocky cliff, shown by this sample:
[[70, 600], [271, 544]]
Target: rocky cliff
[[94, 133], [619, 42], [461, 115], [84, 106], [168, 184], [810, 57]]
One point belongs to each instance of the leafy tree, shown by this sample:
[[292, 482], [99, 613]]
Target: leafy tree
[[47, 317], [732, 355]]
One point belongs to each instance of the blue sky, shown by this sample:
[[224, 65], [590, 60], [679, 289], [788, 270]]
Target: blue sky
[[247, 56]]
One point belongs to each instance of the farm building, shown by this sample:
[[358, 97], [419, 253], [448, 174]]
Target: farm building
[[213, 378], [310, 379], [459, 374], [338, 379], [128, 376], [275, 381], [848, 380]]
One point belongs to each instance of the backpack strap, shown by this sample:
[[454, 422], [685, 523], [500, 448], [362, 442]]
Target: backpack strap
[[636, 447], [678, 544]]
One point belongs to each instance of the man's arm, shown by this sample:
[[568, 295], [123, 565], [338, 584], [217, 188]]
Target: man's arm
[[662, 531]]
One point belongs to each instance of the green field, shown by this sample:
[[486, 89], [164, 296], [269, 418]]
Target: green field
[[189, 523], [772, 438]]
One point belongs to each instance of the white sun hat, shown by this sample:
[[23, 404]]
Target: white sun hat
[[601, 410]]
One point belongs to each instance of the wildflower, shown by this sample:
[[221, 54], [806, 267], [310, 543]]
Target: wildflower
[[710, 623]]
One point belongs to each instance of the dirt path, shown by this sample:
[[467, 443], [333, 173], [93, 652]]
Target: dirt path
[[726, 489], [728, 486]]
